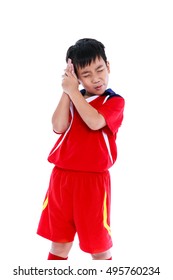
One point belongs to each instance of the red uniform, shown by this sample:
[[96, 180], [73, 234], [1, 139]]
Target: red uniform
[[78, 197]]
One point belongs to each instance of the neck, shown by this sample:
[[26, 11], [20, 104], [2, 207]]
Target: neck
[[88, 95]]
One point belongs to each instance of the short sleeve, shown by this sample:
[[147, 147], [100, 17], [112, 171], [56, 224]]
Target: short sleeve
[[112, 110]]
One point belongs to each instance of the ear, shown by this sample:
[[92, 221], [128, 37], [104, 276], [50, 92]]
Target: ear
[[108, 66]]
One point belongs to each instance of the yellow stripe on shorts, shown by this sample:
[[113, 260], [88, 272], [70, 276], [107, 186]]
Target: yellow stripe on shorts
[[45, 203], [105, 215]]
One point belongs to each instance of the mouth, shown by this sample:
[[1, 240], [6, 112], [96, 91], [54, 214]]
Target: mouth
[[99, 87]]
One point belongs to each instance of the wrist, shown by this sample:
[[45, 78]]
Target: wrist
[[65, 95], [74, 93]]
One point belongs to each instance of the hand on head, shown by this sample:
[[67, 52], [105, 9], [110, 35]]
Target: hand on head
[[70, 80]]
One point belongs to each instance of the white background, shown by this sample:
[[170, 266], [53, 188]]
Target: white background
[[137, 35]]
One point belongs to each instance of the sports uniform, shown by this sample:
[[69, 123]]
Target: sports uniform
[[78, 197]]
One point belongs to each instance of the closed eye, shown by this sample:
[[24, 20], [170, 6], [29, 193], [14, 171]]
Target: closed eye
[[100, 69]]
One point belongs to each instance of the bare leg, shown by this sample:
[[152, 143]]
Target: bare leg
[[102, 256], [61, 249]]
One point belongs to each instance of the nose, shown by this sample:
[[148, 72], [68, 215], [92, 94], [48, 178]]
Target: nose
[[95, 79]]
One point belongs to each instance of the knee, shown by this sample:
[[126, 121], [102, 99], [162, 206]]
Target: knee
[[102, 256], [61, 249]]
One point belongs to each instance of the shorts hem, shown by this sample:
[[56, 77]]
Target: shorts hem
[[93, 251], [59, 240]]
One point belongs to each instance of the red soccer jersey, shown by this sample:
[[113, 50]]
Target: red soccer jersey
[[83, 149]]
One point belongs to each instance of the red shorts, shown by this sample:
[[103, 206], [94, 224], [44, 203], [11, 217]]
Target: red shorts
[[78, 202]]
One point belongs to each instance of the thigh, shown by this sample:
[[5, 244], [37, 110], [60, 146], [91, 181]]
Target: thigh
[[56, 222], [92, 212]]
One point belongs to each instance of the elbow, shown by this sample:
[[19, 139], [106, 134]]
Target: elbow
[[59, 128], [96, 125]]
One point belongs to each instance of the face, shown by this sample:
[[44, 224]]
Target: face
[[94, 77]]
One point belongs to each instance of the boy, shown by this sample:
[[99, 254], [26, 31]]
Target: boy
[[78, 197]]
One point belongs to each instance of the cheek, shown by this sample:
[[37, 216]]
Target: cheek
[[84, 83], [107, 77]]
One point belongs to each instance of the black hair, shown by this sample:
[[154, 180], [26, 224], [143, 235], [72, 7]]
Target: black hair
[[85, 51]]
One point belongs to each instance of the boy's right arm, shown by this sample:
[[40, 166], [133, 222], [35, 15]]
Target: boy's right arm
[[60, 118]]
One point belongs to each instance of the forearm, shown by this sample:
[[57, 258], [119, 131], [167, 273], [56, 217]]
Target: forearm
[[60, 118], [90, 115]]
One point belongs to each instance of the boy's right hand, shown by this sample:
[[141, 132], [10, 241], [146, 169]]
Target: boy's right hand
[[70, 67], [69, 82]]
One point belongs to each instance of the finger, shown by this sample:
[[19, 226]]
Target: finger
[[68, 72], [64, 76], [70, 65], [69, 61]]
